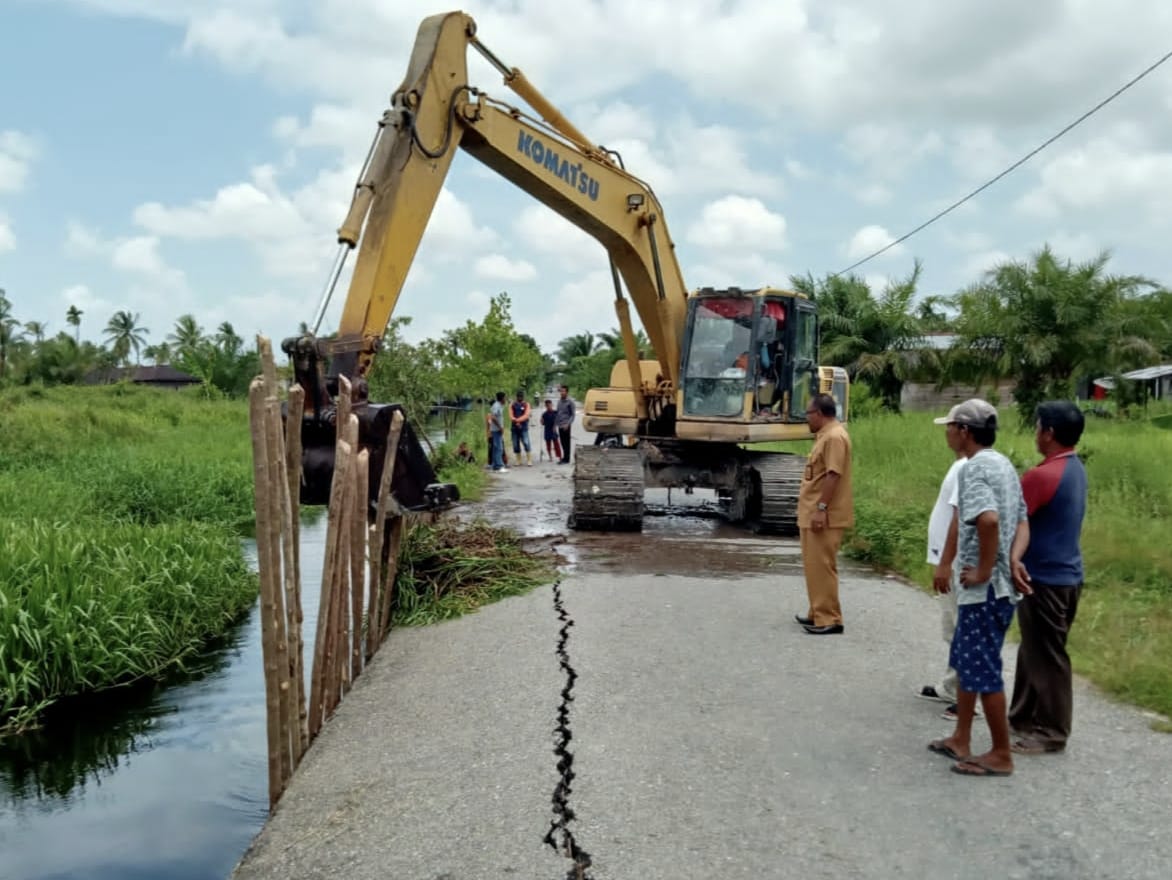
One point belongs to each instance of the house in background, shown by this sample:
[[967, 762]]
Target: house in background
[[920, 392], [1158, 382], [154, 377]]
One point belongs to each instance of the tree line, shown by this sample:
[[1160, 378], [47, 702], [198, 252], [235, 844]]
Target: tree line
[[28, 355], [1047, 324]]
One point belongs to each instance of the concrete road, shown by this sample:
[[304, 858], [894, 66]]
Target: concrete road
[[712, 737]]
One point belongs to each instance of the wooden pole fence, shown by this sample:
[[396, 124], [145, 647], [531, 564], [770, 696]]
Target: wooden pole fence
[[358, 572]]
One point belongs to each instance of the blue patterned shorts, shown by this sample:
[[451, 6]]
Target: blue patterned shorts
[[976, 644]]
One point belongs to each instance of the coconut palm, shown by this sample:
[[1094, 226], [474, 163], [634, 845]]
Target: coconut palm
[[187, 336], [158, 354], [73, 319], [37, 329], [227, 339], [125, 335], [9, 334]]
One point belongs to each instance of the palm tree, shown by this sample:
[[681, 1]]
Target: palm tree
[[578, 345], [187, 336], [73, 319], [227, 339], [879, 340], [8, 332], [158, 354], [1047, 321], [613, 340], [124, 334], [37, 329]]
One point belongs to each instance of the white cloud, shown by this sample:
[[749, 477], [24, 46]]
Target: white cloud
[[81, 241], [1118, 171], [583, 303], [873, 194], [738, 223], [539, 228], [870, 239], [7, 238], [749, 271], [17, 152], [798, 170], [976, 265], [500, 268], [137, 256]]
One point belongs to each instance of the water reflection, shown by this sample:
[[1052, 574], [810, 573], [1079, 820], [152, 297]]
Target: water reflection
[[161, 782]]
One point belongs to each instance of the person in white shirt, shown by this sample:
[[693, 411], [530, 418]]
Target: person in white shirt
[[942, 531]]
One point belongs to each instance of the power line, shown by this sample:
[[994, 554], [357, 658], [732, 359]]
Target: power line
[[1012, 167]]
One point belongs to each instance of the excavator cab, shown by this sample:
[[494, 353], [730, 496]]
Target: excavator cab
[[749, 358]]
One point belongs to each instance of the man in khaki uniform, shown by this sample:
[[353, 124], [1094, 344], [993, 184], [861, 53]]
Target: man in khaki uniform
[[825, 509]]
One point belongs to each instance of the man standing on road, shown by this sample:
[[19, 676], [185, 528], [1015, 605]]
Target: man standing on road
[[825, 509], [993, 532], [942, 535], [519, 416], [1042, 707], [564, 420], [496, 436]]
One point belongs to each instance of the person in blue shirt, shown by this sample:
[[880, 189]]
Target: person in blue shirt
[[1042, 707]]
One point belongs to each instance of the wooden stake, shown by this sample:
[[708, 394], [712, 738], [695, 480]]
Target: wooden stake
[[360, 530], [318, 675], [392, 570], [268, 588], [385, 503], [274, 461], [293, 609], [282, 559]]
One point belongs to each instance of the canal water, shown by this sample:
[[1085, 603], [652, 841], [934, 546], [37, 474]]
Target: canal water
[[165, 783]]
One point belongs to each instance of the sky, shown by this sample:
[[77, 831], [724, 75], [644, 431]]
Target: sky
[[197, 156]]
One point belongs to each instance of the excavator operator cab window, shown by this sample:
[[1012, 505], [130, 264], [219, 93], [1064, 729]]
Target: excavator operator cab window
[[719, 356], [804, 380]]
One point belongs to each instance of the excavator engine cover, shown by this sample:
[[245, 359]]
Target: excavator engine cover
[[413, 483]]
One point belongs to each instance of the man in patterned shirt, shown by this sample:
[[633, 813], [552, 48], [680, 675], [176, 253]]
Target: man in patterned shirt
[[992, 536]]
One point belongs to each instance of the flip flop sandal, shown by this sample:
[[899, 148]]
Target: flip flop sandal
[[1027, 746], [939, 747], [977, 769]]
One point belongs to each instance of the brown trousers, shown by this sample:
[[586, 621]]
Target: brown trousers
[[1043, 699], [820, 561]]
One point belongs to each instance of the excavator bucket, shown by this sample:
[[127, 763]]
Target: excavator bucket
[[414, 483]]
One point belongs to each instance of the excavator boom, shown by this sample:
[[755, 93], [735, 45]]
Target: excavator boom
[[750, 358]]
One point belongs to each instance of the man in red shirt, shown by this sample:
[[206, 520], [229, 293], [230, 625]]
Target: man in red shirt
[[1055, 491]]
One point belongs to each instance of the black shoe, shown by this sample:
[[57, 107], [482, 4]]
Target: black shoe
[[833, 629], [804, 621]]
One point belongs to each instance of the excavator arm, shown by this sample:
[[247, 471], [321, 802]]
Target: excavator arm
[[435, 112]]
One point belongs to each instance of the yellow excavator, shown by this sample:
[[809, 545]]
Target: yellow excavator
[[731, 366]]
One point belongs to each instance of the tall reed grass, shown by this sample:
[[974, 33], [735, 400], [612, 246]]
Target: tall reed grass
[[121, 516]]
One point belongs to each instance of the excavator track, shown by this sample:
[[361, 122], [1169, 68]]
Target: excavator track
[[781, 477], [608, 490]]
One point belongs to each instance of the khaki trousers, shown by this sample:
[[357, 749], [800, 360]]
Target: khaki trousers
[[820, 561]]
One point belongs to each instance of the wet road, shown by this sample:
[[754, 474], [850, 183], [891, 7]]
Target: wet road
[[713, 739]]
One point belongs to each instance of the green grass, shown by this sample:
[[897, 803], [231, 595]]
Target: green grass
[[1122, 639], [120, 550], [120, 539], [89, 606]]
